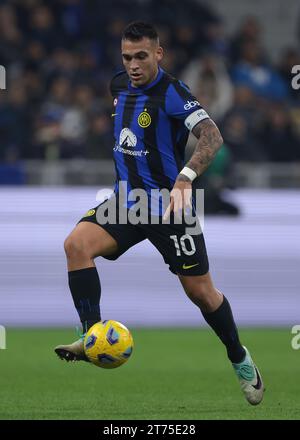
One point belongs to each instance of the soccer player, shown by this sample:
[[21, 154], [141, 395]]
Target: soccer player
[[153, 115]]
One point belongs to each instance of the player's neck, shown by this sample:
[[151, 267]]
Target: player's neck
[[153, 77]]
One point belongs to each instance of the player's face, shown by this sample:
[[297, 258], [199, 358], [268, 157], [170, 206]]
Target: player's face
[[140, 59]]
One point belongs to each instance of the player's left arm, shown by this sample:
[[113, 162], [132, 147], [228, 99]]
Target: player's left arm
[[209, 142], [181, 104]]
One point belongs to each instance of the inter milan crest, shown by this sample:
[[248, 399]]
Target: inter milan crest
[[144, 119]]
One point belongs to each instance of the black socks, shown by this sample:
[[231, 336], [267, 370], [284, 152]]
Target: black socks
[[222, 322], [86, 289]]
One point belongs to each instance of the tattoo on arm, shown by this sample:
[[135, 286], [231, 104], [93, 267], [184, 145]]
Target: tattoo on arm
[[209, 142]]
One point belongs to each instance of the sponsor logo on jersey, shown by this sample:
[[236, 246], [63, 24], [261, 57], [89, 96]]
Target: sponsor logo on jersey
[[190, 104], [127, 138], [144, 119], [127, 142]]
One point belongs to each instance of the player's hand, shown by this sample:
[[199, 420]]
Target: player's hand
[[180, 198]]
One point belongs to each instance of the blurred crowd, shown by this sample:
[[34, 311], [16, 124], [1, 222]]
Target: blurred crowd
[[60, 56]]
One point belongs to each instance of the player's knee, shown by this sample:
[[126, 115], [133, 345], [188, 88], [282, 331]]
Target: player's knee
[[75, 248], [203, 296]]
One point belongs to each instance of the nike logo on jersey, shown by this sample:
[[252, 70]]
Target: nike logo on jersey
[[113, 114], [189, 267]]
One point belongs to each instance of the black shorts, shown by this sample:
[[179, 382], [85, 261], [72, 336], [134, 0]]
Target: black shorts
[[184, 253]]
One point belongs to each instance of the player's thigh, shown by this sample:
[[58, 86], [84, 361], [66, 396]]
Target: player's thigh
[[91, 239], [104, 235]]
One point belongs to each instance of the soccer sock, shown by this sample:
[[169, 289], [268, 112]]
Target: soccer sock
[[222, 322], [86, 290]]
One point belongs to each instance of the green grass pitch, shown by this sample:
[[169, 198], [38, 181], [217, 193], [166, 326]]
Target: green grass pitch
[[179, 374]]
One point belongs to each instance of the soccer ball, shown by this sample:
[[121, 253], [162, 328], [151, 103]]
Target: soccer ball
[[108, 344]]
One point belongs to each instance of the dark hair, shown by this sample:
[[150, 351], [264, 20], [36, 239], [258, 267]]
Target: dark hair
[[137, 30]]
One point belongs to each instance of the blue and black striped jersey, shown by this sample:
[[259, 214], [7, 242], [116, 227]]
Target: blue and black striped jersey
[[151, 128]]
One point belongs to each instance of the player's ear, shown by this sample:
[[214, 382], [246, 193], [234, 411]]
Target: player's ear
[[159, 53]]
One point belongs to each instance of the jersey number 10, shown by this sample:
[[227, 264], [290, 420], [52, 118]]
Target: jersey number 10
[[181, 246]]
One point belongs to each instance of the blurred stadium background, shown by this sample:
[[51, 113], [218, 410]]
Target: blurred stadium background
[[56, 142]]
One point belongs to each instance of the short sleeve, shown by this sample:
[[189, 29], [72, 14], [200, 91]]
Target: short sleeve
[[118, 83], [181, 104]]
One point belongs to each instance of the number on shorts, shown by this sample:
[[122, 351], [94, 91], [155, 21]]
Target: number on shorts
[[182, 244]]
